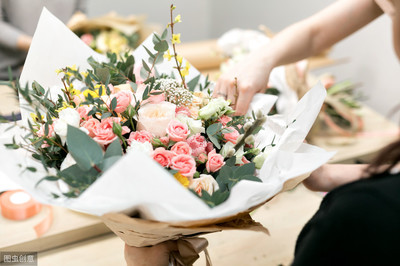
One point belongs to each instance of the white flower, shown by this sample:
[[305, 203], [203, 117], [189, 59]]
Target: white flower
[[68, 161], [144, 147], [155, 118], [215, 108], [68, 116], [204, 182], [260, 158], [239, 155], [226, 149], [195, 126]]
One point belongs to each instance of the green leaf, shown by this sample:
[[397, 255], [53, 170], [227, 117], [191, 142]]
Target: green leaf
[[164, 34], [114, 149], [193, 83], [161, 46], [75, 177], [86, 152], [107, 163], [103, 74], [251, 178], [146, 67], [47, 178], [106, 115], [215, 199], [149, 52], [113, 104], [246, 169]]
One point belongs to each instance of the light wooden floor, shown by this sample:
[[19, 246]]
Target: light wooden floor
[[284, 216]]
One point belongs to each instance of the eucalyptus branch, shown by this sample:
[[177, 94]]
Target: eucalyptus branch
[[257, 123]]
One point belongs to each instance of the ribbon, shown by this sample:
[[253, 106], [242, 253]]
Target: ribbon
[[188, 251], [18, 205]]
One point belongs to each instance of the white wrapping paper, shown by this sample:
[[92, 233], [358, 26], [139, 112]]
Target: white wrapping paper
[[138, 182]]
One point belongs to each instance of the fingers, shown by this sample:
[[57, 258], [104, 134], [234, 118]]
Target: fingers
[[245, 95]]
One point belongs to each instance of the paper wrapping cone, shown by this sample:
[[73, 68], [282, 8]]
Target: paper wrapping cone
[[140, 232]]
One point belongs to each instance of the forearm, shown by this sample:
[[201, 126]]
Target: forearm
[[330, 176], [13, 38], [318, 32]]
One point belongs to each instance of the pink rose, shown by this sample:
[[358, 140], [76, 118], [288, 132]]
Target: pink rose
[[224, 120], [124, 99], [90, 125], [40, 132], [78, 99], [156, 98], [185, 164], [244, 160], [209, 147], [181, 147], [202, 158], [198, 144], [83, 112], [177, 131], [215, 161], [165, 140], [141, 136], [182, 110], [87, 38], [163, 156], [232, 136], [103, 132]]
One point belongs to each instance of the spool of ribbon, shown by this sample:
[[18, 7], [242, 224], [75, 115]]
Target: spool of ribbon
[[18, 205]]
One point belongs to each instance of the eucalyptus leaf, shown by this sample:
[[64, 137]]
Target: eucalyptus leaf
[[86, 152]]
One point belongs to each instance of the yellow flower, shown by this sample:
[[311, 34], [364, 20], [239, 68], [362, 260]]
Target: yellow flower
[[94, 94], [182, 179], [185, 71], [73, 68], [176, 38], [168, 56], [85, 74], [58, 71], [179, 59], [65, 106], [73, 91], [35, 118], [177, 19]]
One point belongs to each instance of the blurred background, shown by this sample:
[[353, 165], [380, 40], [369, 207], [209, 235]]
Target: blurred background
[[370, 58]]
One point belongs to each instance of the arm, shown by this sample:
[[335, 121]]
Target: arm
[[299, 41], [11, 37], [330, 176]]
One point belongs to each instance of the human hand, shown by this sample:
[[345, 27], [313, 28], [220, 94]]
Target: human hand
[[242, 81], [390, 7], [157, 255]]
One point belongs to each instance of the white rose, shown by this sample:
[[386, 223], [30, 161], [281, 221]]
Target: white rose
[[144, 147], [216, 107], [155, 118], [195, 126], [204, 182], [122, 87], [68, 116]]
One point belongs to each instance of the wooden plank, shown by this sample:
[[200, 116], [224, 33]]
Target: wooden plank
[[67, 227]]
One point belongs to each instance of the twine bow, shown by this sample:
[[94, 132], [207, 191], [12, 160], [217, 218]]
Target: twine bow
[[188, 251]]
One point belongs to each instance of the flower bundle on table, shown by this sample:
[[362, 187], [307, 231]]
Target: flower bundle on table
[[117, 107]]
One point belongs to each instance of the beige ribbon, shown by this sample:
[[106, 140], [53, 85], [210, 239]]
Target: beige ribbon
[[188, 251]]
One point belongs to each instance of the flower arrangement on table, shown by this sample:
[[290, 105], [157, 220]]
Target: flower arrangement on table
[[141, 133], [111, 32]]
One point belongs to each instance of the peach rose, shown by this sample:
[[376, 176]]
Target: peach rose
[[177, 131], [181, 147], [87, 38], [185, 164], [232, 136], [155, 118], [141, 136], [202, 158], [77, 99], [40, 132], [182, 110], [204, 182], [163, 156], [215, 161], [124, 99], [90, 125], [198, 144]]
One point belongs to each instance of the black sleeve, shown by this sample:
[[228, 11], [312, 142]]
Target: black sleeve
[[353, 228]]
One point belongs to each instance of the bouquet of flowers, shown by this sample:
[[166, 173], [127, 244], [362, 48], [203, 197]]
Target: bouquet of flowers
[[111, 32], [111, 138]]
